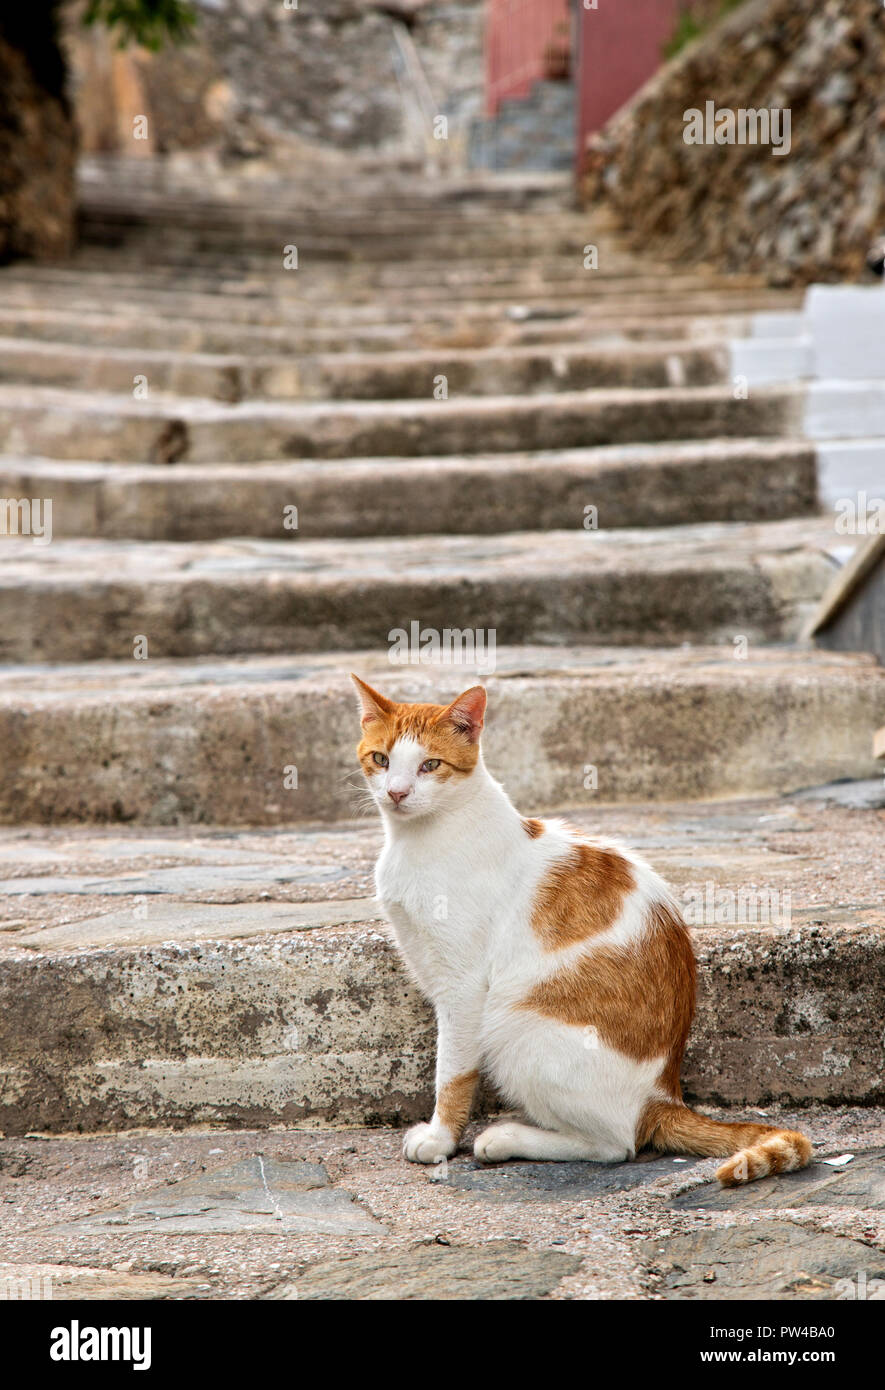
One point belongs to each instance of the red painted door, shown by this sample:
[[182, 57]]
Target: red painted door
[[620, 46]]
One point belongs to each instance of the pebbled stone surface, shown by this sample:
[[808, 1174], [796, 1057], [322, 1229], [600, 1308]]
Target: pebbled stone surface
[[186, 1215]]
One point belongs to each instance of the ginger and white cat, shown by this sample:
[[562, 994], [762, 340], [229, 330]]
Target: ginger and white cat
[[558, 966]]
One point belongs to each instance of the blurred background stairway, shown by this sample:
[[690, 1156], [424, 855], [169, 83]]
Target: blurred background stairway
[[277, 430]]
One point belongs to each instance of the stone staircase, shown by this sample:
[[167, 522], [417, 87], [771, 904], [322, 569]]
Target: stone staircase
[[535, 132], [473, 432]]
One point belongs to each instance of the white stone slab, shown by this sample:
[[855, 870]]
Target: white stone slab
[[770, 361], [847, 324]]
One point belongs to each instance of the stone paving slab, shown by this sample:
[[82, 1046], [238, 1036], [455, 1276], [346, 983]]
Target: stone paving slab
[[494, 1271], [138, 925], [256, 1195], [769, 1260], [399, 1232], [785, 843], [535, 1182]]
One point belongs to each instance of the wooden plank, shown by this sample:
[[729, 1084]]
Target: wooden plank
[[846, 582]]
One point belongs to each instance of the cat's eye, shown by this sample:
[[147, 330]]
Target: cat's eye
[[430, 765], [381, 759]]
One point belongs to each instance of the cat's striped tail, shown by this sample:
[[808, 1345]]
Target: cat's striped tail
[[753, 1151]]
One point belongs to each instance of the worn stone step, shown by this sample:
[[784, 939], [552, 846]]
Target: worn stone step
[[112, 428], [76, 600], [249, 979], [232, 274], [612, 274], [630, 485], [517, 326], [217, 741], [357, 376], [288, 302]]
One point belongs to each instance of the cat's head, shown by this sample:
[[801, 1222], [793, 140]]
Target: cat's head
[[418, 758]]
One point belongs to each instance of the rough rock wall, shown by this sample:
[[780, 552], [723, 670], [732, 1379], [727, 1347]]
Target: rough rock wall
[[260, 78], [809, 214], [37, 151]]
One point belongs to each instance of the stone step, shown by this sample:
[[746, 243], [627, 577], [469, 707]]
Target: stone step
[[266, 741], [202, 180], [364, 376], [291, 304], [249, 979], [630, 485], [266, 274], [516, 326], [80, 600], [104, 427], [263, 271], [329, 244]]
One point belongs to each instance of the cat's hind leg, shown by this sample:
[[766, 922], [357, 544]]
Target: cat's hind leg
[[510, 1139]]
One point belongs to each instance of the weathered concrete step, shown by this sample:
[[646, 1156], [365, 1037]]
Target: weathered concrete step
[[107, 428], [266, 1012], [228, 274], [517, 326], [421, 281], [202, 181], [630, 485], [334, 244], [291, 303], [364, 376], [80, 600], [218, 742]]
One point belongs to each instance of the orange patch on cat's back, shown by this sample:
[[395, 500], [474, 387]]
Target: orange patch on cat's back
[[581, 896], [533, 828], [637, 999]]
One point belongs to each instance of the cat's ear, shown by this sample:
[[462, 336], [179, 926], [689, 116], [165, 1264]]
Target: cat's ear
[[466, 713], [372, 705]]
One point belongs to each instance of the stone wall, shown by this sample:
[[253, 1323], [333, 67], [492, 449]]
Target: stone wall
[[261, 79], [807, 215]]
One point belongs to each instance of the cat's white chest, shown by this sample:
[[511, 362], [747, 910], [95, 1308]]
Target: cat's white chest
[[420, 899], [438, 923]]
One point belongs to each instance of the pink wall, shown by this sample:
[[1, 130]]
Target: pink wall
[[517, 34], [620, 46]]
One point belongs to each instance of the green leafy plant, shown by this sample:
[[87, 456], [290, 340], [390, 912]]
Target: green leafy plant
[[147, 22], [690, 27]]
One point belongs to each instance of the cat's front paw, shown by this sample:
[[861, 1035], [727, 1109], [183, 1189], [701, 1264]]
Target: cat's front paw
[[424, 1144]]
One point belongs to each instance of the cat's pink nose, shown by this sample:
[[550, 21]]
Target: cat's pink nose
[[396, 797]]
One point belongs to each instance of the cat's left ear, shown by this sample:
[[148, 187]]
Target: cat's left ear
[[466, 713]]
